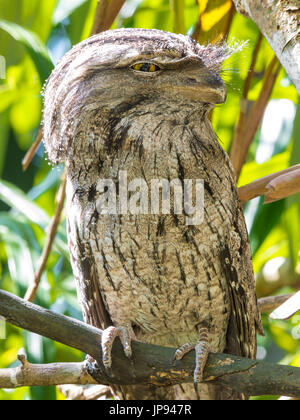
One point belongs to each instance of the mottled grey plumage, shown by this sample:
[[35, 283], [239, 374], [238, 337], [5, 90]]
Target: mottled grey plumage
[[153, 274]]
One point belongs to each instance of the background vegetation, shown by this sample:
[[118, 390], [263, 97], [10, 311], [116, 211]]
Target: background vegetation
[[34, 34]]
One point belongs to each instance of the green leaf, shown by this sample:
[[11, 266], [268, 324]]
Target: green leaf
[[292, 217], [177, 7], [266, 218], [19, 257], [275, 245], [252, 170], [49, 180], [34, 46], [295, 155], [283, 337], [152, 14], [64, 9], [4, 129], [292, 226], [18, 224], [17, 199], [78, 23]]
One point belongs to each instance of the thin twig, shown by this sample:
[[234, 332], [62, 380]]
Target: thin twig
[[28, 374], [260, 186], [197, 29], [259, 107], [227, 27], [269, 303], [252, 66], [52, 229], [248, 126], [152, 364], [288, 308], [31, 152], [106, 13], [238, 132]]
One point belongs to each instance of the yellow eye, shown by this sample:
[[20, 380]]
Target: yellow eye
[[147, 67]]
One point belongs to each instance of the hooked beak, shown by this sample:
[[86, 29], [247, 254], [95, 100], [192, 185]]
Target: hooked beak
[[197, 82]]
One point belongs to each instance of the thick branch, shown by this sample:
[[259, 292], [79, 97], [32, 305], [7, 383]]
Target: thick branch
[[279, 21], [152, 364]]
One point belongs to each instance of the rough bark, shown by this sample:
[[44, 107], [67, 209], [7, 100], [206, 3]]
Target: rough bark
[[152, 364]]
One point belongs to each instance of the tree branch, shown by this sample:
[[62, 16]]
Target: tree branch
[[28, 374], [152, 364], [275, 186], [288, 308], [269, 303], [279, 21], [106, 13], [33, 148], [242, 143], [237, 142], [283, 186]]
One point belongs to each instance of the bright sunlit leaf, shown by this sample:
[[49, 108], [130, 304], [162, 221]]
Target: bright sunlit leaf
[[35, 47], [214, 15], [18, 200]]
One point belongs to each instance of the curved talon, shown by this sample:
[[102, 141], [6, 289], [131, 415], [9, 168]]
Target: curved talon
[[108, 337], [202, 351], [196, 390], [183, 350]]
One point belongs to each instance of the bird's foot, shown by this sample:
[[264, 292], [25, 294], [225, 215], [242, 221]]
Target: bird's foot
[[108, 337], [202, 351]]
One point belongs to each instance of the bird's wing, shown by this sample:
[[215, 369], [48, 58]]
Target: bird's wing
[[87, 281], [245, 319]]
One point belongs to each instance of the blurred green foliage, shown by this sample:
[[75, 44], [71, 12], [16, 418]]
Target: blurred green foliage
[[35, 34]]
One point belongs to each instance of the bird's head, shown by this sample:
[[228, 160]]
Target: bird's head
[[128, 66]]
